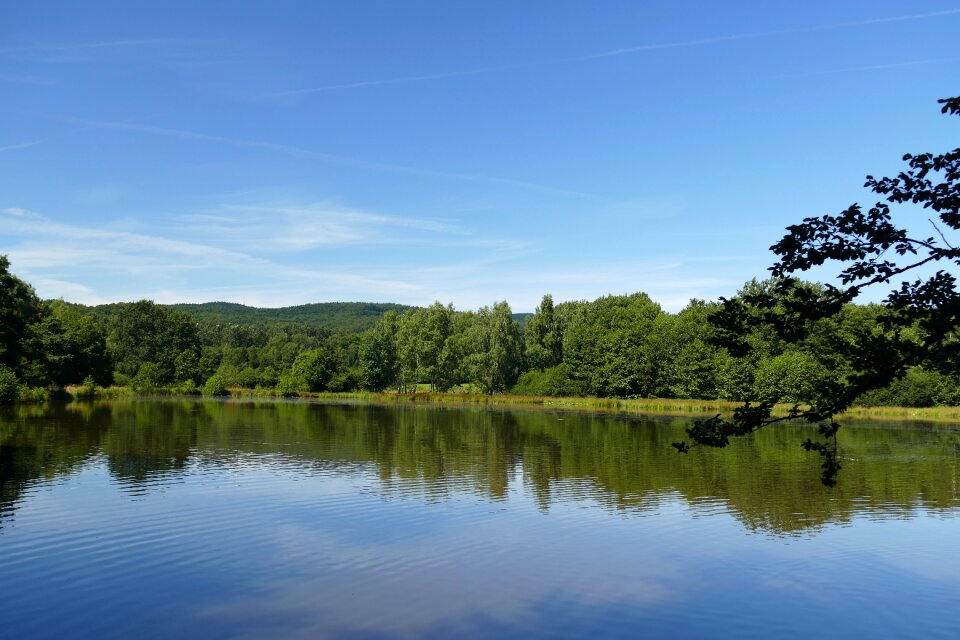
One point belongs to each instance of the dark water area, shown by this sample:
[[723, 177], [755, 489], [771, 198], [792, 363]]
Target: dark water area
[[173, 518]]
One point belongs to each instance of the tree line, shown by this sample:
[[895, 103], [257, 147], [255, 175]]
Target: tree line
[[621, 463], [623, 346]]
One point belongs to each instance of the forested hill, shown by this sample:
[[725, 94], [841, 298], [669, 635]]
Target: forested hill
[[341, 317]]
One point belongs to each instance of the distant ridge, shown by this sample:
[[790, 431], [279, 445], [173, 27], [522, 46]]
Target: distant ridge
[[339, 317], [349, 317]]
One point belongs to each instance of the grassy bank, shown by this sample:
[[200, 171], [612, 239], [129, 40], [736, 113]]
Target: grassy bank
[[655, 406]]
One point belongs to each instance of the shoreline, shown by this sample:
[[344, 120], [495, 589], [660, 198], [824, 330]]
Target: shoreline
[[651, 406]]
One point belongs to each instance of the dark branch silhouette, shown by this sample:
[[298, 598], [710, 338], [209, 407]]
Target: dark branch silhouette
[[871, 249]]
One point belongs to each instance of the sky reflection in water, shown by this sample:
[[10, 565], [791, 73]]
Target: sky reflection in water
[[250, 519]]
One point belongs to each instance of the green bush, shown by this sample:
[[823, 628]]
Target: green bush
[[9, 386], [247, 378], [793, 376], [33, 394], [734, 378], [268, 378], [215, 386], [288, 386], [555, 381], [185, 388], [148, 378], [87, 390], [919, 388], [344, 380], [313, 369]]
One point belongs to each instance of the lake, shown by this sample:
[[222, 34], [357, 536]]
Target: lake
[[192, 518]]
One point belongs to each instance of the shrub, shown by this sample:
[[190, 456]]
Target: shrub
[[793, 376], [734, 378], [313, 369], [287, 386], [147, 378], [344, 380], [9, 386], [268, 378], [215, 386], [33, 394], [86, 390], [185, 388], [555, 381], [247, 378], [918, 388]]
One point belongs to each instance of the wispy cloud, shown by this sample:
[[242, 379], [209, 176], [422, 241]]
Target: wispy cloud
[[301, 152], [299, 227], [871, 67], [54, 288], [120, 49], [683, 44], [31, 80], [621, 51], [88, 242], [17, 212], [142, 264], [401, 80], [101, 44], [22, 145], [39, 141], [101, 264]]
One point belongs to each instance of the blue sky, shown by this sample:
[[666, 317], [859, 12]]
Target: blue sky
[[290, 152]]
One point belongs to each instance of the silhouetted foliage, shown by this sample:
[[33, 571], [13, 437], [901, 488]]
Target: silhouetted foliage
[[916, 327]]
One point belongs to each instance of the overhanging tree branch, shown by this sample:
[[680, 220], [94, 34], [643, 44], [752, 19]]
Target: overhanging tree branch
[[859, 240]]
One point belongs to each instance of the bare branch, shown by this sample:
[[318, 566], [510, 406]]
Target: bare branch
[[940, 232]]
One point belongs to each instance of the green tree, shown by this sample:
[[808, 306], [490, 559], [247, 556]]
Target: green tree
[[457, 348], [793, 376], [378, 354], [312, 370], [147, 332], [543, 343], [606, 345], [685, 363], [19, 310], [85, 343], [494, 338], [437, 327], [186, 366], [409, 341]]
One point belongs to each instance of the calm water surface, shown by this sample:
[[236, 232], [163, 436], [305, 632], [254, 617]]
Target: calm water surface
[[234, 519]]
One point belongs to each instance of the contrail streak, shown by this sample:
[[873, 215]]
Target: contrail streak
[[682, 44], [22, 145], [766, 34], [106, 44], [872, 67], [318, 155], [400, 80]]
